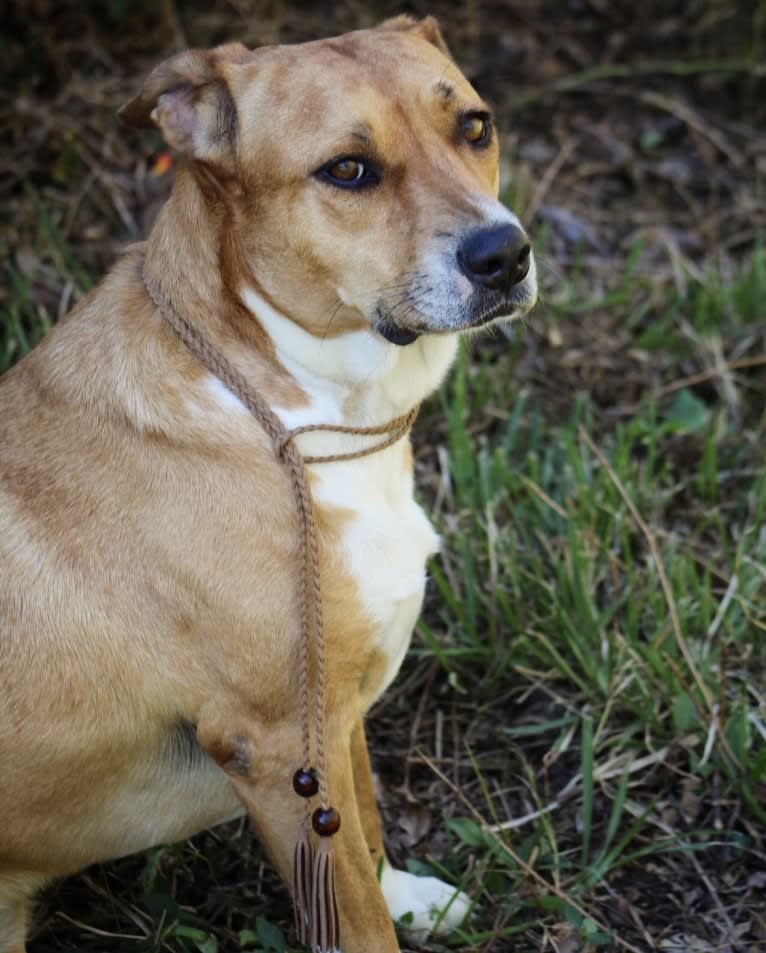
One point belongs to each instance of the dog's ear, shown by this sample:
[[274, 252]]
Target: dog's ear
[[428, 28], [188, 97]]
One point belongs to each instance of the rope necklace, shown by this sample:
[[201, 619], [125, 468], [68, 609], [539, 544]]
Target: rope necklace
[[313, 870]]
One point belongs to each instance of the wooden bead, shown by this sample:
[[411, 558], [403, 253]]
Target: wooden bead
[[325, 822], [305, 782]]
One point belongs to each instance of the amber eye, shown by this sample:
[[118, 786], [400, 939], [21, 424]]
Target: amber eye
[[347, 170], [476, 128]]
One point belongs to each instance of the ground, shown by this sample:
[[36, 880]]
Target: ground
[[587, 756]]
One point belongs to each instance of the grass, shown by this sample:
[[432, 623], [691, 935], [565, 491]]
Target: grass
[[589, 562], [22, 324], [578, 736], [594, 632]]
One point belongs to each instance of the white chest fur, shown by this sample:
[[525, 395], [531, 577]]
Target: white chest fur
[[360, 379], [386, 543]]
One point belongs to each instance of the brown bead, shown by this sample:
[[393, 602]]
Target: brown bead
[[305, 782], [325, 822]]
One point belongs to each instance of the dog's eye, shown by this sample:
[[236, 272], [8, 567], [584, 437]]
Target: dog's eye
[[348, 172], [476, 128]]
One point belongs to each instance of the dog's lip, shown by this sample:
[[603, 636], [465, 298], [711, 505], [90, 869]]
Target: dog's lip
[[396, 335], [404, 336], [511, 308], [502, 310], [516, 306]]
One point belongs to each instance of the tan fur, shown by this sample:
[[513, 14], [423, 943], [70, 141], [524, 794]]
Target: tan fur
[[148, 538]]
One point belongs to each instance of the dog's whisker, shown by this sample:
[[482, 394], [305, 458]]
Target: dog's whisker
[[333, 315]]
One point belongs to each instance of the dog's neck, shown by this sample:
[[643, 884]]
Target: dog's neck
[[185, 253], [356, 378]]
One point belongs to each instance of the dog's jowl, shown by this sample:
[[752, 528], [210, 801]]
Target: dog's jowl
[[169, 652]]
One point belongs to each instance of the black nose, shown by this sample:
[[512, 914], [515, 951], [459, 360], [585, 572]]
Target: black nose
[[497, 258]]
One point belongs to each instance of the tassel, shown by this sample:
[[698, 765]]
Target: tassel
[[303, 868], [325, 926]]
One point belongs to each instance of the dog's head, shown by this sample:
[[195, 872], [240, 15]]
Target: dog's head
[[359, 175]]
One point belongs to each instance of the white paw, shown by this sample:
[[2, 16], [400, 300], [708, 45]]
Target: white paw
[[429, 905]]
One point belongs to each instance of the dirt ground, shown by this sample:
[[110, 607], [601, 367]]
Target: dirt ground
[[627, 130]]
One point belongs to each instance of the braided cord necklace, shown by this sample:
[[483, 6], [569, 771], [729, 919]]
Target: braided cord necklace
[[313, 869]]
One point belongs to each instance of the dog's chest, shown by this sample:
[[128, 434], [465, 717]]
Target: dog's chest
[[379, 536], [383, 540]]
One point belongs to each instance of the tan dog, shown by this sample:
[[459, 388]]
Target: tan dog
[[334, 227]]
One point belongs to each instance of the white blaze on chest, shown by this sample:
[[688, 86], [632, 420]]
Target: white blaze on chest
[[359, 379], [386, 543]]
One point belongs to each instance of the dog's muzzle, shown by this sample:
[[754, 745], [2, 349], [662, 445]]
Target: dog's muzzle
[[484, 279]]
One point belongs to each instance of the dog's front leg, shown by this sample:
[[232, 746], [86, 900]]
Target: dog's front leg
[[366, 798], [260, 761], [427, 904]]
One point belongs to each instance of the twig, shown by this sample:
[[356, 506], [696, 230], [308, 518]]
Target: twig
[[517, 822], [542, 495], [718, 371], [95, 931]]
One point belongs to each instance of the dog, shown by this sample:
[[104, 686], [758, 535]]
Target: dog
[[333, 228]]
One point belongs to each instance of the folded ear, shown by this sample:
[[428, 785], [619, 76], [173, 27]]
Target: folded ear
[[428, 28], [188, 97]]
